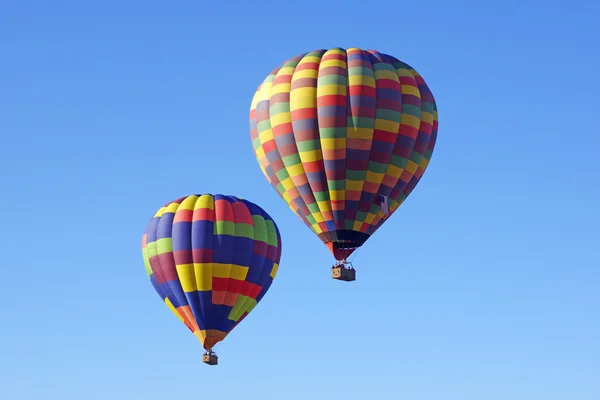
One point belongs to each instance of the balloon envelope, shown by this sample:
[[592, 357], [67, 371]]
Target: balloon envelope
[[343, 136], [211, 259]]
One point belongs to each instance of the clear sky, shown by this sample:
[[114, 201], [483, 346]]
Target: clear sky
[[485, 285]]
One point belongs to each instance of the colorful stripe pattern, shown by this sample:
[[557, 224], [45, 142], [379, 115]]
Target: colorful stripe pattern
[[211, 259], [339, 133]]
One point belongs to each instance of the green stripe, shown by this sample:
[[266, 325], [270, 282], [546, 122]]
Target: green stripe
[[313, 208], [333, 133], [147, 266], [426, 106], [360, 122], [292, 159], [361, 215], [321, 196], [263, 125], [309, 145], [278, 108], [355, 71], [282, 175], [411, 109], [355, 175], [164, 245], [398, 161], [381, 66], [377, 167], [336, 185], [388, 115], [224, 228], [244, 230], [272, 232], [260, 229], [333, 79], [416, 157]]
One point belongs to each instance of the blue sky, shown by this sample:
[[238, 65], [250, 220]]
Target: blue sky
[[483, 286]]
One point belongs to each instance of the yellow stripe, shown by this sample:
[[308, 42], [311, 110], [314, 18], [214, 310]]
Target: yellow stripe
[[233, 271], [427, 117], [160, 212], [255, 99], [318, 217], [360, 133], [333, 144], [311, 155], [332, 62], [386, 74], [404, 72], [411, 166], [374, 177], [304, 97], [324, 205], [205, 201], [331, 89], [274, 270], [260, 153], [188, 203], [337, 195], [265, 136], [305, 73], [172, 207], [283, 87], [387, 126], [172, 308], [354, 185], [287, 183], [410, 120], [410, 89], [317, 229], [280, 119], [394, 171], [369, 218], [312, 59], [295, 170], [361, 80]]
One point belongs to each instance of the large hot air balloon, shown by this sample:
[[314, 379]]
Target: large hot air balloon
[[211, 258], [344, 136]]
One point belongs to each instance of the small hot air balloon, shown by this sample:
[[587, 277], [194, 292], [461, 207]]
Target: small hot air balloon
[[343, 136], [211, 258]]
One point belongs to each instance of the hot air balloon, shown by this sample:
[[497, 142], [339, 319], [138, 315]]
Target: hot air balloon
[[211, 259], [343, 136]]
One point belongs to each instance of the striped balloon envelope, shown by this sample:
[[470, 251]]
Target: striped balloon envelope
[[343, 136], [211, 259]]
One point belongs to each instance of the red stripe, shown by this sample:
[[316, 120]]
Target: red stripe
[[362, 90], [334, 56], [331, 100], [383, 136], [183, 216], [386, 83], [224, 211], [307, 65], [242, 214], [313, 166], [269, 146], [203, 214], [283, 78], [304, 113]]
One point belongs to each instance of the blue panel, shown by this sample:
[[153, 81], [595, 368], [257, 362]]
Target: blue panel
[[165, 225], [182, 236]]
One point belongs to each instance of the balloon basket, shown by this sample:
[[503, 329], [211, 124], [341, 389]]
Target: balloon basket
[[341, 272], [210, 358]]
